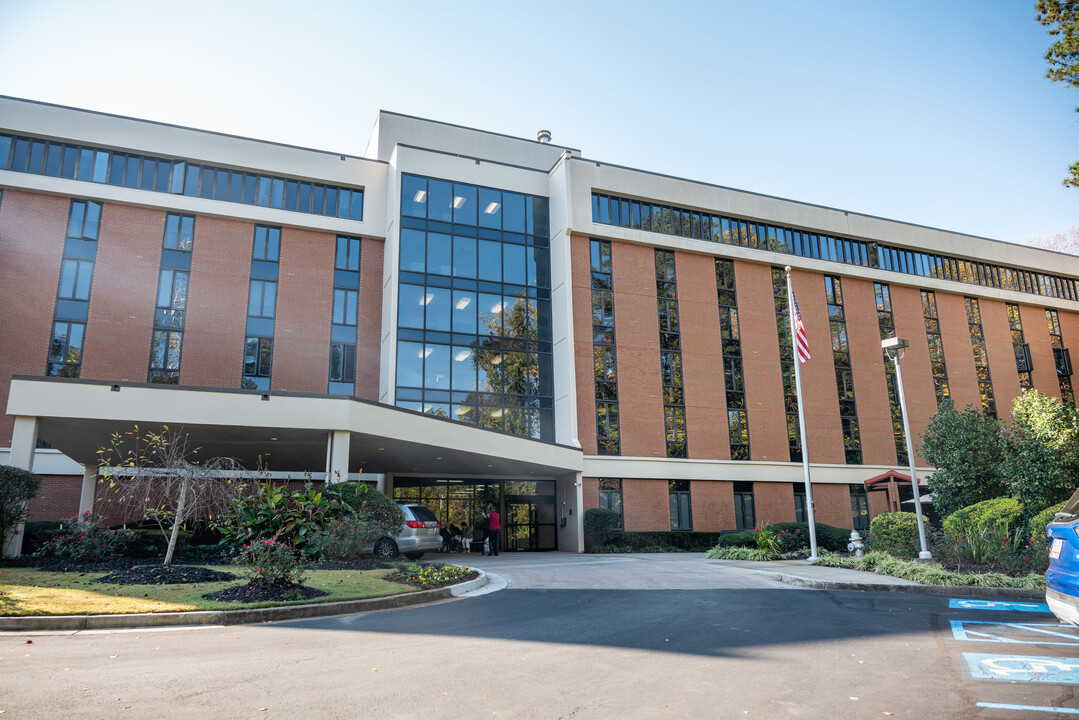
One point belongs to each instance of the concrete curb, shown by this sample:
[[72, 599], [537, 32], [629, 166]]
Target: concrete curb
[[238, 617], [966, 590]]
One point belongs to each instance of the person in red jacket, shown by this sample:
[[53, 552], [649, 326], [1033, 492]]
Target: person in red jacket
[[494, 530]]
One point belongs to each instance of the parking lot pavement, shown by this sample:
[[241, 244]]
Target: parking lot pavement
[[1015, 658]]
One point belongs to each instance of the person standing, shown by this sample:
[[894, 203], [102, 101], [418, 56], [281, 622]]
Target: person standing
[[494, 529]]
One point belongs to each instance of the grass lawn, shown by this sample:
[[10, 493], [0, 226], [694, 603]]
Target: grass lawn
[[25, 591]]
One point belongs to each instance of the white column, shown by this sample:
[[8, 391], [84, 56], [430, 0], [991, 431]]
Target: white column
[[89, 489], [578, 486], [338, 467], [23, 442]]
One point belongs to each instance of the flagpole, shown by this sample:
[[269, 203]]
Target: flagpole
[[813, 557]]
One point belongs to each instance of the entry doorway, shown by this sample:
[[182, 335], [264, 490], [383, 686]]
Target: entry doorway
[[527, 508]]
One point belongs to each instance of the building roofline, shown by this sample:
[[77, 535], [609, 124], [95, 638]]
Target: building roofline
[[472, 129], [192, 129], [600, 163]]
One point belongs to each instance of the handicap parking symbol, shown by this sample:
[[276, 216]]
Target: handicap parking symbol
[[1022, 668], [962, 604]]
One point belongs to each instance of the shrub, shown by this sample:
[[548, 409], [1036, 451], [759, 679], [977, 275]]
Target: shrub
[[973, 518], [793, 539], [17, 487], [829, 537], [739, 553], [86, 538], [766, 540], [270, 563], [1036, 526], [601, 523], [344, 539], [291, 517], [381, 513], [896, 533]]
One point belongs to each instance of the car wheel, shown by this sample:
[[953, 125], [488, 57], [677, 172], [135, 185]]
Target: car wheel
[[413, 556], [385, 549]]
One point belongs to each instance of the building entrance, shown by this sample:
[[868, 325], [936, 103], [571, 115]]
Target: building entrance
[[527, 508]]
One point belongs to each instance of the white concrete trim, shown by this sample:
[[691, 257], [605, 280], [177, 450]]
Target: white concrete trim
[[733, 470], [88, 491]]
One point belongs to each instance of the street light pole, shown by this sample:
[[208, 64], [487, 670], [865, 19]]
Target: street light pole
[[894, 347]]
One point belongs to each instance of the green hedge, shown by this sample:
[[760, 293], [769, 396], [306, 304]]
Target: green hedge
[[677, 539], [974, 518], [896, 533], [1036, 528], [36, 534], [829, 537]]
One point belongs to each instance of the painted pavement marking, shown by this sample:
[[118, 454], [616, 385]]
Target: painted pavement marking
[[1034, 708], [1020, 633], [1022, 668], [961, 604]]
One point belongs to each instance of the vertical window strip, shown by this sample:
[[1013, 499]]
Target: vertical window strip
[[73, 290], [670, 355], [668, 220], [733, 378], [170, 313], [844, 373], [1061, 358], [1020, 348], [680, 505], [936, 346], [886, 324], [261, 308], [344, 317], [604, 350], [786, 362], [981, 357]]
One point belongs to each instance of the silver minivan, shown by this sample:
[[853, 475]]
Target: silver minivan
[[418, 535]]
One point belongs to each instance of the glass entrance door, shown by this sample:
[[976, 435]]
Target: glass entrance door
[[530, 523]]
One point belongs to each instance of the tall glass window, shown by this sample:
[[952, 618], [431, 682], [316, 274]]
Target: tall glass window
[[1061, 358], [73, 291], [844, 373], [603, 349], [261, 308], [681, 509], [1023, 364], [166, 343], [610, 496], [733, 378], [786, 363], [886, 324], [474, 306], [859, 508], [981, 357], [346, 284], [936, 345], [670, 356]]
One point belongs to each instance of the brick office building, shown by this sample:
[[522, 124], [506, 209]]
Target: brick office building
[[468, 318]]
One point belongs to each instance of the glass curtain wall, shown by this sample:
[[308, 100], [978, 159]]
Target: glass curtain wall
[[474, 307]]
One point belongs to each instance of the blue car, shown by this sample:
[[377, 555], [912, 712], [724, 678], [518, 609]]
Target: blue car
[[1062, 578]]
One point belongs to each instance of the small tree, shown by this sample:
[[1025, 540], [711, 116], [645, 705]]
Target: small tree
[[1042, 462], [157, 472], [967, 449], [17, 487]]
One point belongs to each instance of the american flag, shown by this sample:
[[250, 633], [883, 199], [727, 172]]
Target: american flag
[[800, 340]]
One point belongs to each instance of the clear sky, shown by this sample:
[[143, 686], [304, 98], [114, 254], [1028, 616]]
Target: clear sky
[[936, 113]]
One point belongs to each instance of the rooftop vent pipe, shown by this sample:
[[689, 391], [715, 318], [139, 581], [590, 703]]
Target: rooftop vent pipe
[[544, 136]]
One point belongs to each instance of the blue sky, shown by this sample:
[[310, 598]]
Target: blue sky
[[936, 113]]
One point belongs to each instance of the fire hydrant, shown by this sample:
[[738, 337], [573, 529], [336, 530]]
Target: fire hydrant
[[855, 545]]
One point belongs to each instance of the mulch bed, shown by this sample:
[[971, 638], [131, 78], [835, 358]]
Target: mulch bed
[[161, 575], [398, 578], [252, 593]]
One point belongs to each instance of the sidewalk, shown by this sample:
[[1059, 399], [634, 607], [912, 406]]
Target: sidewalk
[[803, 574]]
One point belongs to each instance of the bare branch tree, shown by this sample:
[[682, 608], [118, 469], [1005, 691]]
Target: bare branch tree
[[158, 473]]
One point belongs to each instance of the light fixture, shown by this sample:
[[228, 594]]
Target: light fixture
[[497, 307], [497, 413], [492, 208], [458, 202], [463, 355], [273, 438], [427, 350], [382, 448], [463, 303], [427, 298], [496, 359], [420, 196]]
